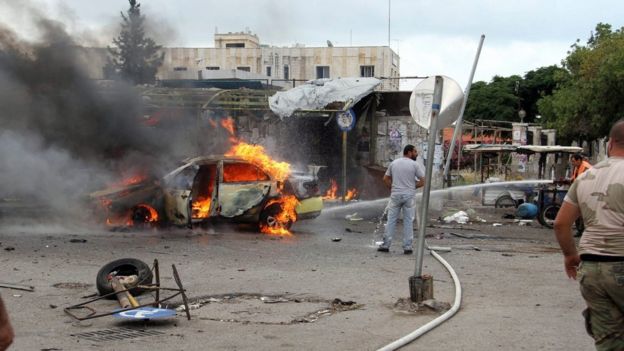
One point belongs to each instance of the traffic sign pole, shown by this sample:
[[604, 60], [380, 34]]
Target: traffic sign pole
[[344, 166], [419, 285], [346, 122]]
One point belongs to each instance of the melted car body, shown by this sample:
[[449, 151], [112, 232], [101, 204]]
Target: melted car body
[[206, 188]]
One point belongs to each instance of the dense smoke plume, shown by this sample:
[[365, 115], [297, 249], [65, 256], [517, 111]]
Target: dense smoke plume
[[61, 134]]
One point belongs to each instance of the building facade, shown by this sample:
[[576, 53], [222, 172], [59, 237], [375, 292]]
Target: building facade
[[242, 56]]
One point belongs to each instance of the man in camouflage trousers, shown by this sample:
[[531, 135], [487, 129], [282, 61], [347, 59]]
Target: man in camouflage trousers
[[598, 195]]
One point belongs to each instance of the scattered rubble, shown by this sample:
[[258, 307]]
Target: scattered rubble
[[353, 217], [71, 285], [459, 217], [406, 305]]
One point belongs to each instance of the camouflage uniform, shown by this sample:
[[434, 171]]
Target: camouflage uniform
[[599, 194]]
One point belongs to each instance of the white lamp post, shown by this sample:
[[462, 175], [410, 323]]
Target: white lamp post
[[522, 114]]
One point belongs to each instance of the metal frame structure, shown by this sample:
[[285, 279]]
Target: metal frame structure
[[156, 288]]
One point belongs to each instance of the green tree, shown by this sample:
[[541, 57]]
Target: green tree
[[496, 100], [134, 56], [503, 97], [537, 84], [591, 98]]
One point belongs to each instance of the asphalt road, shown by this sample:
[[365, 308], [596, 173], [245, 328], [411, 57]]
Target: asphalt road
[[256, 292]]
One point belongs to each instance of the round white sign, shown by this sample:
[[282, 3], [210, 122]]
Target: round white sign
[[346, 120], [422, 98]]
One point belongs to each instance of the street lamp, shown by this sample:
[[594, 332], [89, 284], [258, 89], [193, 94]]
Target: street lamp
[[522, 114]]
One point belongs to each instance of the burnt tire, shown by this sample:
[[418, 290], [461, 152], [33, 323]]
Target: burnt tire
[[268, 217], [505, 201], [124, 266], [547, 215]]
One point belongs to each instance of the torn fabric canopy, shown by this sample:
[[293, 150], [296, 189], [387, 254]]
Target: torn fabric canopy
[[316, 94]]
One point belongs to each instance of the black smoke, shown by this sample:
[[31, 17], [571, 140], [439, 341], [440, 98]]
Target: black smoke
[[61, 133]]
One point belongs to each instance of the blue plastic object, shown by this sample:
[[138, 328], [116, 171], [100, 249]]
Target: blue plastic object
[[526, 211]]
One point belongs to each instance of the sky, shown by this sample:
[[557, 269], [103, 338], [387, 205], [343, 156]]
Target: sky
[[431, 37]]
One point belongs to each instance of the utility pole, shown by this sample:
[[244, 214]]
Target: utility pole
[[389, 1]]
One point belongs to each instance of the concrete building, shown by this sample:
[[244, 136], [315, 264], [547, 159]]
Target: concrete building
[[242, 56]]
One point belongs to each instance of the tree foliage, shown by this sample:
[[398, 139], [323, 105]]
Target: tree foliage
[[494, 101], [134, 56], [590, 97], [503, 97]]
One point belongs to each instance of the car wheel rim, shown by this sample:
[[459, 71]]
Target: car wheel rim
[[272, 221]]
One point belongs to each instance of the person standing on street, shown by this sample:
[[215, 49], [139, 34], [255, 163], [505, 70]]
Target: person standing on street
[[6, 331], [403, 176], [598, 264], [580, 166]]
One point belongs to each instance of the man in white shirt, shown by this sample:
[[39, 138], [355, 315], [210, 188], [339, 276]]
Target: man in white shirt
[[403, 176]]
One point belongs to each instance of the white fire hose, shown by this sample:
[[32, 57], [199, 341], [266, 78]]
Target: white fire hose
[[434, 323]]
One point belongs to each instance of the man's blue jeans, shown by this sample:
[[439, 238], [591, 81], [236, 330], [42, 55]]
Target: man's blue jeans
[[397, 203]]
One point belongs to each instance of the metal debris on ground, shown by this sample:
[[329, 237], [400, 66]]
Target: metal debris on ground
[[131, 308], [349, 230], [17, 287], [353, 217], [436, 305], [71, 285], [336, 239], [194, 306], [406, 305], [497, 225], [114, 334]]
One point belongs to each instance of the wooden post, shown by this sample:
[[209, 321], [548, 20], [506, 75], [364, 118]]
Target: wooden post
[[122, 297]]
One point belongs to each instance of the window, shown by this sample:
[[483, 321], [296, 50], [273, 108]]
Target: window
[[367, 71], [322, 72], [244, 68], [286, 72], [242, 172], [184, 179], [268, 71], [179, 68], [212, 68], [235, 45]]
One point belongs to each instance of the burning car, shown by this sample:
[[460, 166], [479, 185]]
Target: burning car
[[231, 187]]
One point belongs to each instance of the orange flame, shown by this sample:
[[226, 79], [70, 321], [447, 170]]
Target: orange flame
[[228, 124], [130, 180], [256, 154], [286, 216], [332, 192], [148, 213], [201, 208]]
